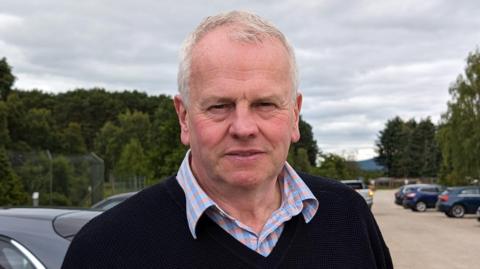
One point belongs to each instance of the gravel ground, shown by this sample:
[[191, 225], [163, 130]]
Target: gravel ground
[[429, 239]]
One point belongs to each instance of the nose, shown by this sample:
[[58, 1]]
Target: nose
[[243, 125]]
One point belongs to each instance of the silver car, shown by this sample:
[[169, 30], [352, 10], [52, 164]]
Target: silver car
[[361, 189], [33, 238]]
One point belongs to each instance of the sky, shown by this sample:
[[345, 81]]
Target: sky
[[361, 62]]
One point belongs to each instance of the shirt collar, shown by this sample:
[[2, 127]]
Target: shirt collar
[[197, 201]]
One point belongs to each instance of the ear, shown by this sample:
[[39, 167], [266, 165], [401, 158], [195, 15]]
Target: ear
[[182, 119], [296, 118]]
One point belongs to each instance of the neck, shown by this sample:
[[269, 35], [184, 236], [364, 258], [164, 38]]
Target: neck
[[252, 206]]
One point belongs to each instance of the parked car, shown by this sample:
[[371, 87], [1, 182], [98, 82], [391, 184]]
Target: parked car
[[400, 194], [112, 201], [37, 238], [478, 213], [421, 196], [362, 189], [458, 201]]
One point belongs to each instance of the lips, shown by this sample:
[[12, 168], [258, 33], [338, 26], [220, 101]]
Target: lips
[[244, 156], [244, 153]]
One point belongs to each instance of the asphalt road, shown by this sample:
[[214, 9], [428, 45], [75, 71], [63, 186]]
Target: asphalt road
[[429, 239]]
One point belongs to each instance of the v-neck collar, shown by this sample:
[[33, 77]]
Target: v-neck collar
[[247, 255], [209, 228]]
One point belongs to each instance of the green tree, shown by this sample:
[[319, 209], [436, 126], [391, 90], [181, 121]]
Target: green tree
[[108, 144], [165, 160], [33, 168], [72, 141], [306, 142], [112, 138], [408, 149], [4, 134], [299, 159], [89, 108], [62, 174], [40, 127], [459, 133], [133, 163], [11, 189], [392, 147], [135, 124], [17, 123], [6, 79], [430, 152], [335, 166]]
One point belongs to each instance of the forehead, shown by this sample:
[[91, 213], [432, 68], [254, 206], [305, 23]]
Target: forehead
[[218, 51]]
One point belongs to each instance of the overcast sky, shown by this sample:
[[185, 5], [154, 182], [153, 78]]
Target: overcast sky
[[361, 62]]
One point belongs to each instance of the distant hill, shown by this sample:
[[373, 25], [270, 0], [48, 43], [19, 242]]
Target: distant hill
[[369, 165]]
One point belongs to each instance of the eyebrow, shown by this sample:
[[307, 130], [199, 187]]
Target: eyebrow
[[223, 99], [215, 99]]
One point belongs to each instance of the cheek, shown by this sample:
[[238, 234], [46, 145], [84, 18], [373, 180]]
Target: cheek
[[205, 132], [279, 129]]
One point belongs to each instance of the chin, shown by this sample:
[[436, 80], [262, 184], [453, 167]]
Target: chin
[[248, 179]]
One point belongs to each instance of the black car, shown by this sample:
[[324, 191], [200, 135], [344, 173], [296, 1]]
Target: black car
[[38, 237]]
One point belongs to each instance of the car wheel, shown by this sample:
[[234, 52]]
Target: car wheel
[[420, 206], [457, 211]]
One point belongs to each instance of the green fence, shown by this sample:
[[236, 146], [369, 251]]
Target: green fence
[[60, 180]]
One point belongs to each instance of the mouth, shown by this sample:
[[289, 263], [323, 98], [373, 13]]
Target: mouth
[[244, 154]]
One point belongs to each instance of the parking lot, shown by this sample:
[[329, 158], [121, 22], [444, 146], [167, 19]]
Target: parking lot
[[429, 239]]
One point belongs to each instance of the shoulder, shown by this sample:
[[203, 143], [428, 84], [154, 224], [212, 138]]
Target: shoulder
[[148, 204], [151, 213]]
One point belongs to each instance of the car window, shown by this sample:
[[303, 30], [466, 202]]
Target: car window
[[355, 186], [470, 191], [429, 189], [12, 258], [408, 189]]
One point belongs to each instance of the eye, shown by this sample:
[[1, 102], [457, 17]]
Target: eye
[[266, 106], [219, 108]]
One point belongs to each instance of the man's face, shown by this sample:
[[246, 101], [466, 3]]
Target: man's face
[[240, 118]]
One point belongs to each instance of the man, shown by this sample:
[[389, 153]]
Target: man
[[235, 202]]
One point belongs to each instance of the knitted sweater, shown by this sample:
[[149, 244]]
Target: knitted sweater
[[150, 230]]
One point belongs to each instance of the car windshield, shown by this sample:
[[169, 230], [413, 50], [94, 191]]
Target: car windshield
[[409, 189]]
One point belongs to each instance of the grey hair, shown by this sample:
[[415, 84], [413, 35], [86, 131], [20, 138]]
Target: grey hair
[[247, 27]]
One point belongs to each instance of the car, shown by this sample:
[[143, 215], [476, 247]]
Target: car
[[112, 201], [36, 238], [458, 201], [422, 196], [478, 213], [400, 194], [362, 189]]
